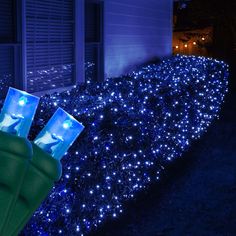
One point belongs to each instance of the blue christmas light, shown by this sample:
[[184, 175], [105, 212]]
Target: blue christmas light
[[135, 125], [22, 101], [59, 134], [18, 112]]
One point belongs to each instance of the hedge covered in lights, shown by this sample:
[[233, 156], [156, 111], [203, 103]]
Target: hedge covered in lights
[[135, 125]]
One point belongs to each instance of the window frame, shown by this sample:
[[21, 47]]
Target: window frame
[[20, 46]]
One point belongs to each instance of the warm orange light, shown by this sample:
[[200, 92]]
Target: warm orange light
[[176, 46], [186, 45], [194, 43], [203, 38]]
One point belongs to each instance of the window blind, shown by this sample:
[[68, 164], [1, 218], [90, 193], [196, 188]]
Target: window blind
[[49, 44]]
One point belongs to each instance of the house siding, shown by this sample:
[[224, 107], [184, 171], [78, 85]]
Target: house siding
[[135, 31]]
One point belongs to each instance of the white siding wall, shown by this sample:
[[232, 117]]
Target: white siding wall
[[135, 31]]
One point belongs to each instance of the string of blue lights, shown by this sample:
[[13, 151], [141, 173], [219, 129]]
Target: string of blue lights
[[135, 125]]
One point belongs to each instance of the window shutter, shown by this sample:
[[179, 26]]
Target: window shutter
[[93, 39], [6, 46], [91, 57], [6, 21], [49, 44]]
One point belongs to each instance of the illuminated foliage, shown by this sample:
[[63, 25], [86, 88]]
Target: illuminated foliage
[[135, 125]]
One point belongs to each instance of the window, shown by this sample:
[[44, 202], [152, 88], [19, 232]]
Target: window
[[44, 44], [50, 44]]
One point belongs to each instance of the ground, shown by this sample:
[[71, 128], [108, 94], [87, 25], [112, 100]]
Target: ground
[[196, 195]]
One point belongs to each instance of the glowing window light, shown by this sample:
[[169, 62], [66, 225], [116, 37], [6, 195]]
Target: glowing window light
[[186, 45], [194, 43], [176, 46], [59, 134], [18, 112], [203, 38]]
